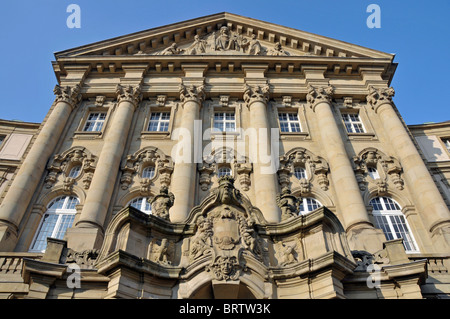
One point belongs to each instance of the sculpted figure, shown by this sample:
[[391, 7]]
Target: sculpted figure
[[172, 50], [162, 202], [198, 47], [277, 50], [287, 203], [253, 46], [222, 39]]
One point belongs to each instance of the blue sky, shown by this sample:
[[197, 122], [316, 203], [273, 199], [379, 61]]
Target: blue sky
[[418, 32]]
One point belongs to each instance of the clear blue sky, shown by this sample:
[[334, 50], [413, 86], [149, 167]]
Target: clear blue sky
[[418, 32]]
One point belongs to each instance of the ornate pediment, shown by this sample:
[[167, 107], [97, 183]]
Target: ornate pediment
[[223, 34]]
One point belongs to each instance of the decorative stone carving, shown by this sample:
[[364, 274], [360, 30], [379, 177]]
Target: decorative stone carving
[[172, 50], [225, 232], [387, 166], [63, 163], [205, 170], [243, 171], [364, 259], [100, 100], [285, 254], [319, 94], [277, 50], [288, 203], [68, 94], [256, 93], [198, 47], [129, 93], [162, 202], [135, 163], [379, 96], [314, 165], [192, 93], [84, 259], [161, 251]]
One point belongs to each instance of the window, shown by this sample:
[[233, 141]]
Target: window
[[75, 171], [224, 171], [353, 123], [57, 219], [389, 217], [94, 122], [159, 122], [373, 172], [446, 143], [289, 122], [300, 172], [224, 121], [148, 172], [142, 204], [308, 205]]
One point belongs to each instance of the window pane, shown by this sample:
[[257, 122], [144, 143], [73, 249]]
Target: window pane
[[148, 172], [46, 230], [223, 171], [300, 172], [65, 222], [308, 204], [75, 171]]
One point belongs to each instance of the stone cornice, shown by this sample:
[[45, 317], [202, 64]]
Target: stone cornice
[[379, 96], [319, 94], [68, 94], [129, 93]]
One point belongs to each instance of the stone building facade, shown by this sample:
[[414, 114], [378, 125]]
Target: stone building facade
[[226, 157]]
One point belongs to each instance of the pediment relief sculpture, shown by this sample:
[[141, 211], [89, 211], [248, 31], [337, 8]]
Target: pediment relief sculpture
[[222, 42]]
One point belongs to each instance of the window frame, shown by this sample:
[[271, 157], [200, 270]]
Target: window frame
[[352, 123], [289, 121], [81, 133], [144, 203], [95, 121], [159, 121], [305, 201], [59, 213], [224, 121], [387, 214]]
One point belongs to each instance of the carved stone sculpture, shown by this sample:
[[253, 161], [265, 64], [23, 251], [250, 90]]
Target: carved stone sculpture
[[287, 203], [162, 202]]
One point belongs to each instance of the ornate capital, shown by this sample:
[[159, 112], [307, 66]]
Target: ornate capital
[[129, 93], [319, 94], [68, 94], [256, 93], [377, 97], [192, 93]]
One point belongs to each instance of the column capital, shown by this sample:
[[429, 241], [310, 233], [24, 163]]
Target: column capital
[[320, 94], [68, 94], [256, 93], [129, 93], [194, 93], [380, 96]]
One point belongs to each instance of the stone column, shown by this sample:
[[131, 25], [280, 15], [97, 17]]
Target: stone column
[[27, 179], [183, 184], [428, 200], [265, 179], [88, 231], [360, 231]]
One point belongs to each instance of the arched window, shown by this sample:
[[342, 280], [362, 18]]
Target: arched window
[[389, 217], [75, 171], [58, 217], [308, 205], [300, 172], [224, 171], [148, 172], [142, 204]]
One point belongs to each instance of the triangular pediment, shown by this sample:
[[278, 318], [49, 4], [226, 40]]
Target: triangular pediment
[[223, 34]]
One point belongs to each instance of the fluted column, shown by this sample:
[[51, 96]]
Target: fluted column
[[352, 208], [98, 199], [183, 183], [428, 200], [264, 172], [27, 179]]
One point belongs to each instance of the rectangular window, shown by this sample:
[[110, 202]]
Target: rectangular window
[[94, 122], [353, 123], [445, 140], [289, 122], [224, 121], [159, 122]]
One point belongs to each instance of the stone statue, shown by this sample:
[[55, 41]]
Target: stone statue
[[198, 47], [277, 50], [162, 202], [288, 204], [172, 50]]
